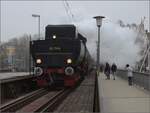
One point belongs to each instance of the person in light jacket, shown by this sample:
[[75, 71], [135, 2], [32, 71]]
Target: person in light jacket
[[129, 74]]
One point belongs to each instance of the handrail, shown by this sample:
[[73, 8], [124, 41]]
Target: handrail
[[142, 73], [139, 78]]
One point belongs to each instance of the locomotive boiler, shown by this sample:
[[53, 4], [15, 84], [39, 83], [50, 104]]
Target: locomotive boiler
[[62, 58]]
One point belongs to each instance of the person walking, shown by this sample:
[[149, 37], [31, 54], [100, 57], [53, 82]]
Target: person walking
[[107, 71], [113, 70], [130, 74], [101, 67]]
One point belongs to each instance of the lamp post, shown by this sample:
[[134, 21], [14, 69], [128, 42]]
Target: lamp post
[[99, 24], [37, 16]]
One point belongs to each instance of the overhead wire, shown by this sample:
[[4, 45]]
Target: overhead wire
[[69, 11], [69, 8]]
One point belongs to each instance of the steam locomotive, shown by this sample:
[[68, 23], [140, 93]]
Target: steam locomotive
[[62, 58]]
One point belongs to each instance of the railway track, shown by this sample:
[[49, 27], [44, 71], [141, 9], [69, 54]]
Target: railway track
[[22, 101], [46, 103], [81, 99]]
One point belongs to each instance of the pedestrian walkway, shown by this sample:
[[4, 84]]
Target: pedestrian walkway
[[117, 97]]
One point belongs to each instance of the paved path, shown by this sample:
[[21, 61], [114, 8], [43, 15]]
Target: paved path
[[117, 97]]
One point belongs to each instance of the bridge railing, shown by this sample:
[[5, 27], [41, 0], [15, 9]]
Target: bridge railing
[[140, 79]]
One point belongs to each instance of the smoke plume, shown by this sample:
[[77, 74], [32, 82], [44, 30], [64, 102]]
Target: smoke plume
[[117, 44]]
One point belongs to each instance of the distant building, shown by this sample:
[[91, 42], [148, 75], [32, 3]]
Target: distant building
[[10, 55]]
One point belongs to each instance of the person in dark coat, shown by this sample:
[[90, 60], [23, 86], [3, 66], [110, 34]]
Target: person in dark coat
[[107, 71], [113, 70]]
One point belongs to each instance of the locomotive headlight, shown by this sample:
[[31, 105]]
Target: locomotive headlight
[[38, 61], [69, 61], [54, 36]]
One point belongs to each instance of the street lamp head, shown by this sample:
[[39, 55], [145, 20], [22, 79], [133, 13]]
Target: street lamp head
[[99, 20], [35, 15]]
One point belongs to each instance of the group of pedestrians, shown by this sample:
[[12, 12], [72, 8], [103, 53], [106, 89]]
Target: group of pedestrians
[[112, 69], [109, 70]]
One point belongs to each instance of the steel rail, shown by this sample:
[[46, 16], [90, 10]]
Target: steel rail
[[20, 102], [54, 101]]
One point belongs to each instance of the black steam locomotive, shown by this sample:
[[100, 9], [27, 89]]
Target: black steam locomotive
[[62, 58]]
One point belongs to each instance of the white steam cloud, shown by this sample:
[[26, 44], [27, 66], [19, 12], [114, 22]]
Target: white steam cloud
[[117, 44]]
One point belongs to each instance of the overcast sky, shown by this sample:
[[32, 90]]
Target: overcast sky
[[16, 18]]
